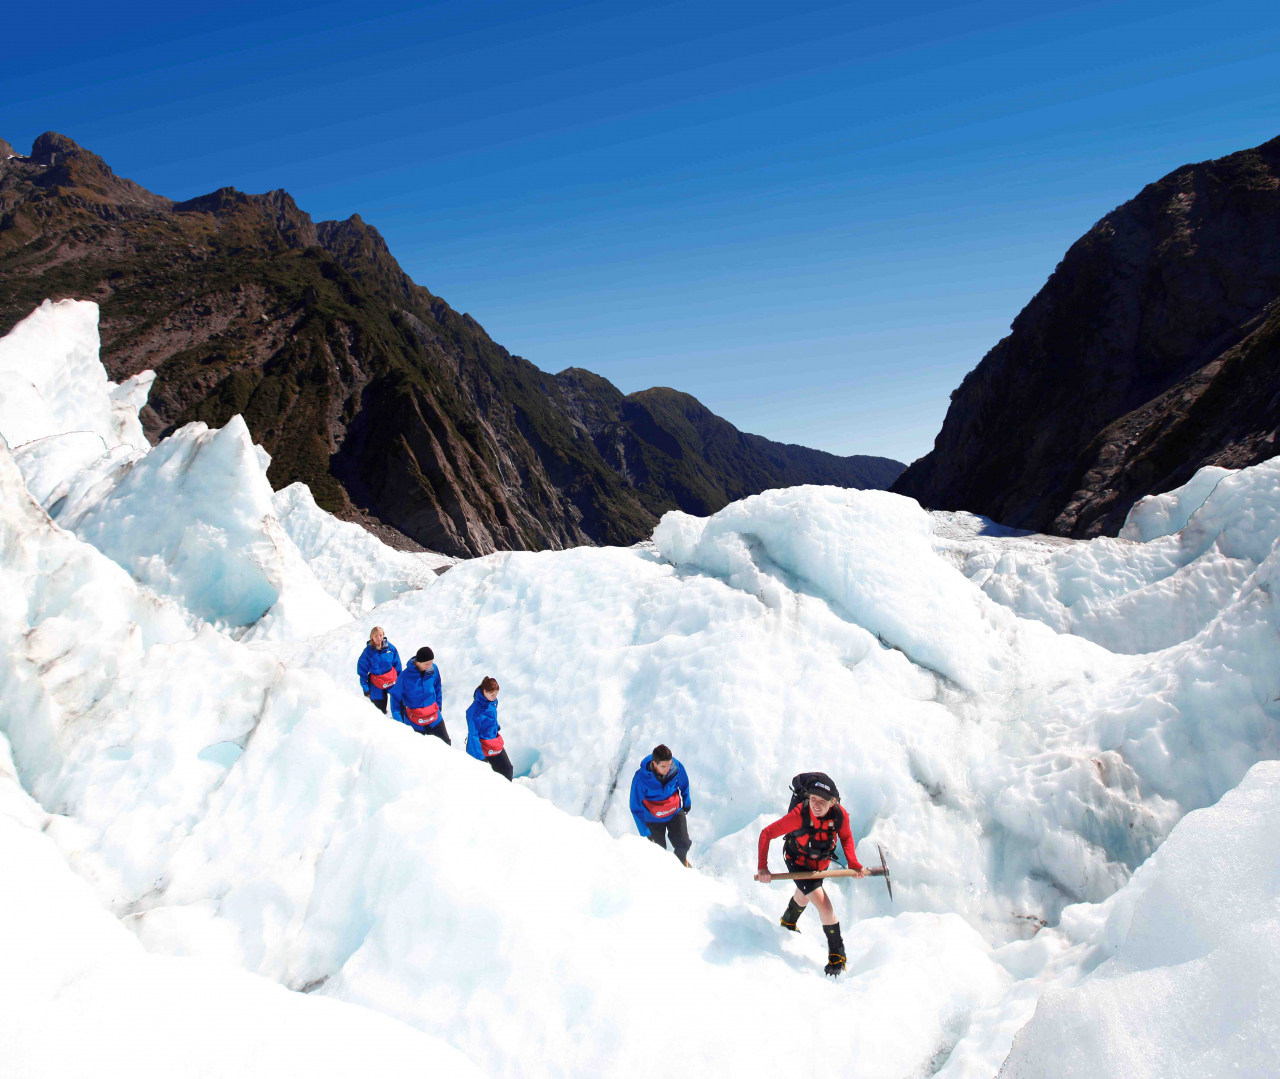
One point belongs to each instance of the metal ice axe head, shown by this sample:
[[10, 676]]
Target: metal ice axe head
[[883, 871]]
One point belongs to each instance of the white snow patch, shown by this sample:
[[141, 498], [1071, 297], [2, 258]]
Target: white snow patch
[[354, 566], [1131, 596], [192, 518], [1193, 977], [81, 996], [1153, 516]]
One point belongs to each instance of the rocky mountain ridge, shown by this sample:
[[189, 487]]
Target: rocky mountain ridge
[[1152, 351], [396, 410]]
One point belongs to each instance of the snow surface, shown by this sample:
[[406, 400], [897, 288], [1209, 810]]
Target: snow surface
[[178, 684], [1153, 516], [354, 567], [1192, 987], [81, 996], [1132, 596], [194, 518]]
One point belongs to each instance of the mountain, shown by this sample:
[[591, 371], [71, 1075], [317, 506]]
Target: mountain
[[396, 410], [1152, 350]]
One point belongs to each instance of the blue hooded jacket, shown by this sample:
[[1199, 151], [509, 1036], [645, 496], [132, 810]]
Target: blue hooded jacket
[[377, 662], [482, 722], [413, 689], [657, 799]]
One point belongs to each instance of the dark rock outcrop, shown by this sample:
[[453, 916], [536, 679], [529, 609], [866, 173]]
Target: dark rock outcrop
[[397, 411], [1150, 352]]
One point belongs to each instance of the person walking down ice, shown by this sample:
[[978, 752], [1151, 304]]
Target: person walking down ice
[[417, 699], [378, 668], [484, 738], [660, 801], [813, 824]]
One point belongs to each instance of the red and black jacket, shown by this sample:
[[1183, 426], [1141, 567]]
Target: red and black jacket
[[810, 843]]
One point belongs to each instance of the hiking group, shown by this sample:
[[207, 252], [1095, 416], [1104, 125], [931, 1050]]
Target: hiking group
[[414, 695], [660, 801]]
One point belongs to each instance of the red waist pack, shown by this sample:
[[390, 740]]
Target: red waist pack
[[664, 808], [491, 747], [423, 717], [387, 678]]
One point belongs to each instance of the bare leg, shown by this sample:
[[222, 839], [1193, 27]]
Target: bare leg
[[819, 899]]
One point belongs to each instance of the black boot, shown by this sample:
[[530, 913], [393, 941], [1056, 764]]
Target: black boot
[[835, 948], [791, 915]]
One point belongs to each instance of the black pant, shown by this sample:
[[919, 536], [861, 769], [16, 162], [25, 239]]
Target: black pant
[[678, 829], [380, 704], [438, 730], [806, 886], [501, 764]]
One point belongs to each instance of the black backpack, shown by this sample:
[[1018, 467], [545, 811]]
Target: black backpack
[[804, 783]]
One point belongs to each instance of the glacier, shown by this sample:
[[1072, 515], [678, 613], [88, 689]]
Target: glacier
[[1046, 737]]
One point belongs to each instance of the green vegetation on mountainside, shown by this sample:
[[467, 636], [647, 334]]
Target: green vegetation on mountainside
[[391, 406]]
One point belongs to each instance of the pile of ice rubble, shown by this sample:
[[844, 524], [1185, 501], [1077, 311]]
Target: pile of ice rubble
[[192, 754]]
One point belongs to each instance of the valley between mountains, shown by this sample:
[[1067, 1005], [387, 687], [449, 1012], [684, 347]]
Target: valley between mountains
[[397, 411]]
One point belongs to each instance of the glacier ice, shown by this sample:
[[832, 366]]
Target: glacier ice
[[81, 996], [1153, 516], [1028, 726], [355, 568], [1193, 979], [1153, 587]]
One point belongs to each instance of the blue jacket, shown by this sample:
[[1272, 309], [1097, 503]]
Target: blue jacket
[[413, 689], [482, 722], [379, 662], [656, 800]]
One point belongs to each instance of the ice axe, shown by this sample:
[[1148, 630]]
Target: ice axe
[[883, 871], [822, 874]]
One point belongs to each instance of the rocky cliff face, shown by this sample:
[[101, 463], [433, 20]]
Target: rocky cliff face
[[1151, 351], [677, 454], [396, 410]]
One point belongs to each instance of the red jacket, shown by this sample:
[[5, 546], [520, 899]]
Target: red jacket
[[794, 821]]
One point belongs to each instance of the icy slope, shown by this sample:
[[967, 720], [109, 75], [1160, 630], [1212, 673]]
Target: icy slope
[[230, 795], [1193, 985], [52, 382], [1048, 784], [1181, 557], [354, 567], [194, 520], [80, 995], [1153, 516], [342, 853], [66, 423]]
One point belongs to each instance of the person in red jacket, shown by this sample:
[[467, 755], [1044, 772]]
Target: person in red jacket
[[811, 828]]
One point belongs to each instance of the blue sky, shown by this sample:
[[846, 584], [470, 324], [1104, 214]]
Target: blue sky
[[814, 217]]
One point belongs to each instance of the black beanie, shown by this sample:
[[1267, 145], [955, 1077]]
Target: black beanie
[[424, 654]]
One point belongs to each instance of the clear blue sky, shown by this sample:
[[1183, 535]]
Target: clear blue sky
[[814, 217]]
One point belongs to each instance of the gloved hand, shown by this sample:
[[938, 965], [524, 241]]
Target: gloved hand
[[685, 811], [366, 693]]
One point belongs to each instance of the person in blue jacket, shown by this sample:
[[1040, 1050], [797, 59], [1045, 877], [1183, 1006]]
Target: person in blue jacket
[[660, 801], [484, 742], [417, 699], [378, 668]]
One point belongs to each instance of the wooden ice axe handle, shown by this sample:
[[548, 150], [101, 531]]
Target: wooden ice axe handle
[[822, 874]]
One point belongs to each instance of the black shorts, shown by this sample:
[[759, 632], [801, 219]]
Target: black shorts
[[806, 886]]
